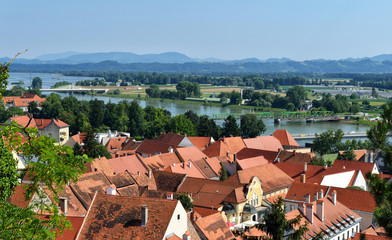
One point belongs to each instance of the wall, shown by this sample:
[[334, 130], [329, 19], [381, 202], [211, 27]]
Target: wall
[[177, 226], [341, 180], [367, 219], [347, 233]]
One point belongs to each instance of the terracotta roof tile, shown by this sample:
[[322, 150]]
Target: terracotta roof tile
[[18, 197], [130, 190], [24, 120], [252, 162], [192, 153], [314, 174], [115, 144], [160, 161], [130, 163], [143, 180], [353, 165], [151, 147], [189, 168], [225, 146], [79, 138], [236, 196], [371, 237], [130, 144], [204, 212], [200, 142], [284, 137], [269, 143], [206, 168], [358, 153], [122, 179], [295, 157], [275, 197], [76, 224], [272, 178], [43, 123], [173, 237], [250, 152], [167, 181], [334, 214], [348, 197], [170, 138], [114, 217], [214, 227], [102, 164]]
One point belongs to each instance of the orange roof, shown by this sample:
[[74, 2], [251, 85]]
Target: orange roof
[[190, 153], [214, 163], [236, 196], [43, 123], [102, 164], [358, 153], [173, 237], [214, 227], [152, 147], [224, 146], [130, 163], [370, 237], [205, 168], [143, 180], [24, 120], [189, 168], [250, 152], [285, 138], [269, 143], [168, 181], [170, 138], [18, 197], [113, 217], [314, 174], [348, 197], [335, 215], [160, 161], [23, 101], [353, 165], [252, 162], [79, 138], [200, 142], [204, 212], [76, 224], [272, 199], [271, 177], [295, 157], [114, 144]]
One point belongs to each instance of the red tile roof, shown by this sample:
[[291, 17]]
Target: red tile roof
[[189, 168], [18, 197], [214, 227], [114, 217], [285, 138], [72, 233], [170, 138], [115, 144], [79, 138], [295, 157], [314, 174], [130, 163], [334, 215], [24, 120], [225, 146], [269, 143], [348, 197], [43, 123], [205, 168], [354, 165], [146, 181], [152, 147], [204, 212], [251, 162], [192, 153], [200, 142], [236, 196], [23, 101], [102, 164], [160, 161], [271, 177], [370, 237], [250, 152]]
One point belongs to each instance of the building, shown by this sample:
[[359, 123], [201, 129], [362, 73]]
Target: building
[[118, 217], [22, 101]]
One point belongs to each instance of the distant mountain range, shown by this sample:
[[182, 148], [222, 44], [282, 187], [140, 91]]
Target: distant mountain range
[[178, 62]]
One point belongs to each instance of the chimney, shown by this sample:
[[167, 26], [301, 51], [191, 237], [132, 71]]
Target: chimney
[[227, 153], [320, 210], [144, 215], [63, 205], [294, 151], [305, 166], [149, 173], [170, 149], [174, 164], [169, 195], [303, 178], [334, 197], [307, 198], [111, 190], [277, 160], [302, 208], [321, 194], [186, 236], [309, 212], [344, 167], [315, 196], [325, 166]]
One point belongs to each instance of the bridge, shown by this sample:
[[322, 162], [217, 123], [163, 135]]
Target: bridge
[[76, 89], [279, 115], [313, 135]]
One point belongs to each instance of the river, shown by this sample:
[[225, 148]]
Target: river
[[180, 108]]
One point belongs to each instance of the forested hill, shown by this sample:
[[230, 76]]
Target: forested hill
[[315, 66]]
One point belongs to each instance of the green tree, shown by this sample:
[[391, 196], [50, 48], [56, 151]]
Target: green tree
[[355, 107], [296, 95], [208, 128], [153, 91], [32, 108], [251, 126], [181, 124], [320, 162], [121, 119], [235, 98], [8, 172], [185, 201], [230, 127], [290, 107], [277, 226], [37, 83], [347, 155], [136, 119], [327, 142], [92, 148], [223, 175], [97, 113]]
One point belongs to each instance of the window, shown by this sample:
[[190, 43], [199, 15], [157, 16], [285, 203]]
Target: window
[[178, 217]]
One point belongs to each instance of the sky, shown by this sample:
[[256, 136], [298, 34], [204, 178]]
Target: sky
[[224, 29]]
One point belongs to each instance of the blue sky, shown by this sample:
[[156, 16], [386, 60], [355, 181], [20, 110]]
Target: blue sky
[[226, 29]]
